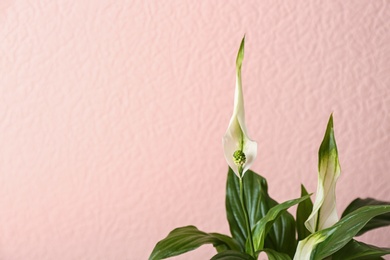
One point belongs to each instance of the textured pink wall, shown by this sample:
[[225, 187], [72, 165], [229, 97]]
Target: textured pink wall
[[112, 114]]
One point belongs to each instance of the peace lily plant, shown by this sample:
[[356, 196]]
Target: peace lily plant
[[259, 224]]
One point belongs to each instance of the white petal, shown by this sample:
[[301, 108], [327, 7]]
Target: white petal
[[236, 137], [324, 212], [306, 246], [250, 150], [232, 142]]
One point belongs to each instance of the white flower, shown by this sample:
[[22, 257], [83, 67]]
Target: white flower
[[240, 151], [324, 212]]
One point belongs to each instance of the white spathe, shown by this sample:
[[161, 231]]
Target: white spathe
[[305, 247], [324, 212], [236, 136]]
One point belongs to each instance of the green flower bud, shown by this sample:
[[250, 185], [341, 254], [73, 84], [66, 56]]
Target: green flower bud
[[239, 158]]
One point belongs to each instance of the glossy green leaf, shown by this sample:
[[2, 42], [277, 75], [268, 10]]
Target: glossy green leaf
[[188, 238], [356, 250], [281, 236], [263, 226], [232, 255], [303, 212], [324, 243], [377, 222], [274, 255]]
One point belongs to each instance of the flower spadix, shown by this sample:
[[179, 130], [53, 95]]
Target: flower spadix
[[324, 212], [240, 151]]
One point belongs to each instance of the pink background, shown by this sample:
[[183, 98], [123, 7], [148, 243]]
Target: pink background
[[112, 114]]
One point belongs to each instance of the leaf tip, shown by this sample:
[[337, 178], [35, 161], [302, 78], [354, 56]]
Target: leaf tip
[[329, 142], [240, 54]]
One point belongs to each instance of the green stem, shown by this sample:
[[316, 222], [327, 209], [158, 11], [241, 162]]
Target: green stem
[[244, 209]]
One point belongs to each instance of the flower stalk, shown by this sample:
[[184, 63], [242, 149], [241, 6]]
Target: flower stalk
[[240, 150], [247, 222]]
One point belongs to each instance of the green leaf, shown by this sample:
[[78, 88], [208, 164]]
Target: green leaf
[[188, 238], [264, 225], [232, 255], [281, 236], [273, 255], [324, 243], [356, 250], [377, 222], [303, 212]]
